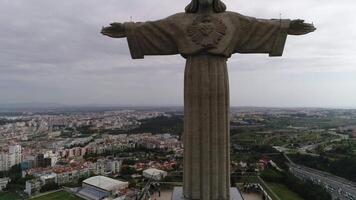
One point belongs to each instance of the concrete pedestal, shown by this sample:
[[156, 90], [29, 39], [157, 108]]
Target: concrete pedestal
[[178, 194]]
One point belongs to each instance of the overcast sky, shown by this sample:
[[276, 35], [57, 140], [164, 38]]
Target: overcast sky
[[51, 51]]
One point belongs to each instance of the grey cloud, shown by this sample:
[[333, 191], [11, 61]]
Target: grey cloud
[[52, 51]]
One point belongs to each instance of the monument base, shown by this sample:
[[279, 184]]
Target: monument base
[[178, 194]]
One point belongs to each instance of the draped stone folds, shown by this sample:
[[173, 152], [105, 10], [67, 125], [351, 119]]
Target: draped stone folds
[[206, 128], [206, 41]]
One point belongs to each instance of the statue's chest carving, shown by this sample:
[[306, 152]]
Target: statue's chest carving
[[206, 28], [206, 31]]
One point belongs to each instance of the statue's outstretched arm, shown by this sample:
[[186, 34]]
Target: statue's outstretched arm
[[145, 38], [115, 30], [298, 27]]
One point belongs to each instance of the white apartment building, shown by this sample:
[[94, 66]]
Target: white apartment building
[[4, 161], [53, 156], [15, 152], [32, 186], [71, 176], [104, 166], [10, 157]]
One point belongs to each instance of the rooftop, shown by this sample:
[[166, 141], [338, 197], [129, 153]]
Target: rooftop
[[154, 171], [105, 183]]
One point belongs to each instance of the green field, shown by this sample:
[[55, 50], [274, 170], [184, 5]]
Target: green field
[[283, 192], [9, 196], [61, 195]]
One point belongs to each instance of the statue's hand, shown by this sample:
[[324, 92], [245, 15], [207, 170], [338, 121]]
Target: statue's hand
[[298, 27], [115, 30]]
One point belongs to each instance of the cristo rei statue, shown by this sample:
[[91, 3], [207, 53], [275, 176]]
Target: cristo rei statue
[[206, 35]]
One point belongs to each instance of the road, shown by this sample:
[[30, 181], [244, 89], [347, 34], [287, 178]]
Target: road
[[339, 188], [311, 147]]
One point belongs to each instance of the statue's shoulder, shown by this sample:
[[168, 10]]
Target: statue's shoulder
[[172, 19], [177, 16], [180, 19], [239, 17]]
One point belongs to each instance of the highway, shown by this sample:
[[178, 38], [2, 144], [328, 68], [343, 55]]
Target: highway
[[339, 188]]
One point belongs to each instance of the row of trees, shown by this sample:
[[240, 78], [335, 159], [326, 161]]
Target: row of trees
[[16, 179], [161, 125], [137, 152]]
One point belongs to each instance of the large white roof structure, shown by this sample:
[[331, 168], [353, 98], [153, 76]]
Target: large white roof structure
[[154, 171], [155, 174], [106, 183]]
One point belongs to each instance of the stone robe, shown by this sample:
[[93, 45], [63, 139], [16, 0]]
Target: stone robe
[[206, 41]]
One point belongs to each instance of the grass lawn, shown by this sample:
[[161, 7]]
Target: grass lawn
[[283, 192], [9, 196], [61, 195]]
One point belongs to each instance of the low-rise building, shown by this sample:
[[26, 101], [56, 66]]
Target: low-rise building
[[100, 187], [32, 186], [154, 174], [48, 178], [107, 166], [3, 183]]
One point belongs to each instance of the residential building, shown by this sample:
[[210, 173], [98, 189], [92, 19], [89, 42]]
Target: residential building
[[32, 186], [10, 156], [3, 183]]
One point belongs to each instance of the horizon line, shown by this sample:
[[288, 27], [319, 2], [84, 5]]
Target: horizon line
[[59, 106]]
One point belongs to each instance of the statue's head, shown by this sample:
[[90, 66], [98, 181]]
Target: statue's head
[[217, 6]]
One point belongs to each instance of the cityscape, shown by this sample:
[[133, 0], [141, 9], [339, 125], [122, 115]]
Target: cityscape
[[177, 100], [138, 152]]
